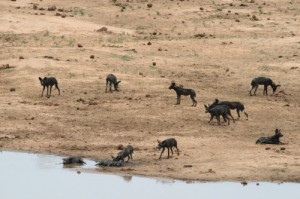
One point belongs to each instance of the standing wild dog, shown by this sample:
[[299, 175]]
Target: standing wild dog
[[183, 91], [232, 105], [126, 152], [217, 111], [49, 81], [169, 144], [271, 140], [112, 80], [263, 81]]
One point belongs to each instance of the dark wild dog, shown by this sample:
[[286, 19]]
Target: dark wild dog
[[271, 140], [217, 111], [183, 91], [263, 81], [111, 79], [126, 152], [169, 144], [49, 81], [232, 105]]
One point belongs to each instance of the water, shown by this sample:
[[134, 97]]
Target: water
[[37, 176]]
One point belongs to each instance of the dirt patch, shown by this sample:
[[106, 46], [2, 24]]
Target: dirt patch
[[213, 47]]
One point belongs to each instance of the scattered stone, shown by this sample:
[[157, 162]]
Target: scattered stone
[[243, 5], [60, 9], [12, 90], [231, 4], [237, 20], [282, 148], [79, 45], [149, 43], [199, 35], [267, 148], [154, 63], [211, 171], [149, 5], [103, 29], [35, 6], [148, 95], [280, 56], [254, 17], [21, 57], [244, 183], [92, 56], [257, 184], [294, 67], [78, 172], [57, 14], [187, 166], [201, 8], [252, 1], [120, 147], [13, 0], [51, 8]]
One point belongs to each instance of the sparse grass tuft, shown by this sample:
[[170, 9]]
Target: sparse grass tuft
[[123, 57]]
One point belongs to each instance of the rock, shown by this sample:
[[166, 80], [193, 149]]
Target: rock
[[120, 147], [103, 29], [199, 35], [149, 5], [51, 8], [21, 57], [12, 90], [254, 17], [244, 183], [79, 45], [149, 43], [92, 56]]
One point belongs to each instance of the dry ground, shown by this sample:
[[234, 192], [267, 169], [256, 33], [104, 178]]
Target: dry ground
[[215, 47]]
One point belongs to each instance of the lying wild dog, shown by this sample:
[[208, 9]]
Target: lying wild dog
[[49, 81], [169, 144], [263, 81], [126, 152], [110, 163], [217, 111], [111, 79], [73, 160], [271, 140], [232, 105], [183, 91]]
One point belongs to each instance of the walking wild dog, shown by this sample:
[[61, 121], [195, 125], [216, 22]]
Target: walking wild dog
[[111, 79], [183, 91], [232, 105], [217, 111], [49, 81], [263, 81], [169, 144]]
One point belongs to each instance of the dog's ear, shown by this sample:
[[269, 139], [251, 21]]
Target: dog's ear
[[45, 78], [205, 106], [276, 131], [40, 79]]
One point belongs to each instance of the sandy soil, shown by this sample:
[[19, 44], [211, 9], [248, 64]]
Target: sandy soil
[[215, 47]]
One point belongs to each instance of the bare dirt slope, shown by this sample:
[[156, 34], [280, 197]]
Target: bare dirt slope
[[215, 47]]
